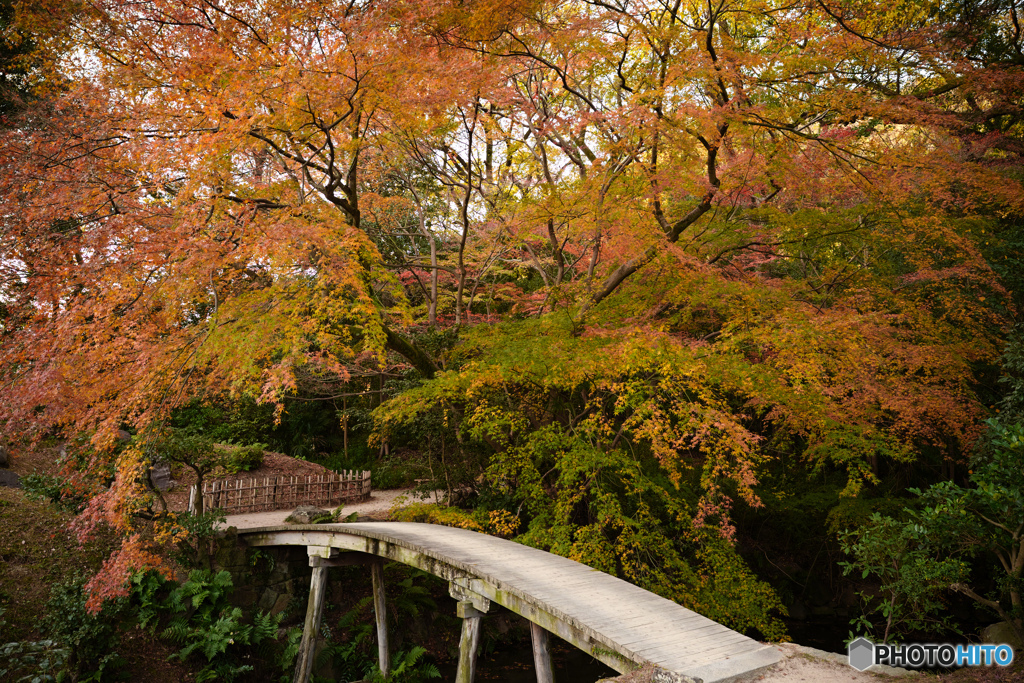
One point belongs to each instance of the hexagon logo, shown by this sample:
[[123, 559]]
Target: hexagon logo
[[861, 653]]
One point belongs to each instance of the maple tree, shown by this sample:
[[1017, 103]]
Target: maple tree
[[708, 234]]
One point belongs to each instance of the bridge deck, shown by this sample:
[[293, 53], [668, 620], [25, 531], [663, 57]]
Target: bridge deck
[[614, 615]]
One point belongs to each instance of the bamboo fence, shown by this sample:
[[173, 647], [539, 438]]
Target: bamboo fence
[[257, 494]]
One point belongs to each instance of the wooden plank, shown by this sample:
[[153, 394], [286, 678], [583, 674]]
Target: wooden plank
[[672, 657], [589, 608], [693, 634], [678, 648]]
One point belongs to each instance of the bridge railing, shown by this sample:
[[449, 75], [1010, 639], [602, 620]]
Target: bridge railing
[[263, 494]]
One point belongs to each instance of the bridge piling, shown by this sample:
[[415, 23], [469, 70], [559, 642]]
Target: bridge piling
[[469, 642], [314, 612], [381, 617], [541, 654]]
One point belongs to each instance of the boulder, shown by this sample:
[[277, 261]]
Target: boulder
[[10, 479], [305, 514], [1001, 633], [5, 457], [354, 517]]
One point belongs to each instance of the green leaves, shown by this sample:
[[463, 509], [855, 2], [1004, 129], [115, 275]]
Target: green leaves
[[913, 573], [202, 620], [920, 558], [601, 508], [406, 667], [32, 661]]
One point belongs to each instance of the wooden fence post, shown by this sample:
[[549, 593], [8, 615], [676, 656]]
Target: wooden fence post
[[240, 495]]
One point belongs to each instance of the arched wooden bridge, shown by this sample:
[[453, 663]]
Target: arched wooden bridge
[[618, 623]]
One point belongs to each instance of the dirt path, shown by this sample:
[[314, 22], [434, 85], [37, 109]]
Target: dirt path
[[377, 507], [807, 665]]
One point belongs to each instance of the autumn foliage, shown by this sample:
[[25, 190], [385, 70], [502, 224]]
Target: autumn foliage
[[704, 234]]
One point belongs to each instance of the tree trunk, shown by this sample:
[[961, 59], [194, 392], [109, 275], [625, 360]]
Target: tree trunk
[[412, 353]]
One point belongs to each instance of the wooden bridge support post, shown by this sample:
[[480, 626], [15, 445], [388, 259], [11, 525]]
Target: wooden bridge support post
[[380, 613], [468, 644], [314, 611], [541, 654]]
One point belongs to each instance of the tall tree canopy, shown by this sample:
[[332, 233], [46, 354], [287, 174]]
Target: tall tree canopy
[[716, 231]]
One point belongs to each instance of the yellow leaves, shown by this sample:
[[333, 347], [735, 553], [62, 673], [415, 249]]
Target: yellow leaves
[[430, 513], [502, 523], [167, 530], [605, 511]]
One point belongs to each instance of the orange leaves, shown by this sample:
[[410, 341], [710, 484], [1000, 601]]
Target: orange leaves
[[112, 581], [245, 200], [669, 402]]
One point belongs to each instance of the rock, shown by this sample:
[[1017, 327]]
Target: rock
[[792, 652], [305, 514], [323, 667], [5, 457], [353, 517], [268, 599], [1001, 633], [281, 604], [10, 479], [160, 477], [123, 436]]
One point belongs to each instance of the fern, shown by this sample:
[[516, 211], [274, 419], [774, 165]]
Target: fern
[[177, 630], [264, 626], [205, 623], [146, 596], [406, 667]]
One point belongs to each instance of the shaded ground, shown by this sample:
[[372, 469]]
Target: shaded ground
[[37, 551], [42, 459]]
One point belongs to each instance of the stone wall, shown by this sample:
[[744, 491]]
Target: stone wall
[[273, 580], [276, 580]]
